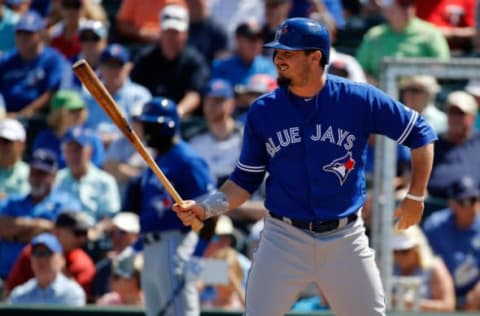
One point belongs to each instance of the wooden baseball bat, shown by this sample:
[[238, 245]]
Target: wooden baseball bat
[[96, 88]]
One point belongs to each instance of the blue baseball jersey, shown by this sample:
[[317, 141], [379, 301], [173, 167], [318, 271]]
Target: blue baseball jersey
[[21, 81], [459, 248], [314, 150], [189, 175]]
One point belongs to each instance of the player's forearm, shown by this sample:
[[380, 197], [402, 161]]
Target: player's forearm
[[249, 211], [21, 228], [189, 103], [235, 194], [422, 160], [440, 305], [36, 105], [123, 172]]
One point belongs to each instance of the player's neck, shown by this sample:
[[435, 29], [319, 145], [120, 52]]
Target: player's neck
[[310, 88]]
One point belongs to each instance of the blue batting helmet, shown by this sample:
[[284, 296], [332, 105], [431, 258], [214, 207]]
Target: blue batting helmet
[[162, 112], [302, 34]]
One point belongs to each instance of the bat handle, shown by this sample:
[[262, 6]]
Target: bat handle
[[197, 225]]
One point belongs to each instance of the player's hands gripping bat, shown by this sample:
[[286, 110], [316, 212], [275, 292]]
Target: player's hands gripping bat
[[96, 88]]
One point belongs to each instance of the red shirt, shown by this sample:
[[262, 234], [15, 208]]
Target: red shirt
[[68, 47], [447, 13], [79, 266]]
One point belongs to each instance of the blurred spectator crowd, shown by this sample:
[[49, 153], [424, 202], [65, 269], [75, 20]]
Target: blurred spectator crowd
[[68, 237]]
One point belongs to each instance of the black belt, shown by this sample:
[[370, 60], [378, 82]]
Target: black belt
[[318, 226], [151, 238]]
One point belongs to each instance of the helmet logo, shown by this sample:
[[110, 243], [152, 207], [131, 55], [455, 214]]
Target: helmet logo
[[281, 31]]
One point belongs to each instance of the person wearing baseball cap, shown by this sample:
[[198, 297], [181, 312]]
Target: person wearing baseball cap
[[182, 61], [67, 109], [174, 17], [25, 215], [247, 59], [23, 95], [461, 100], [460, 140], [49, 285], [125, 280], [13, 170], [93, 36], [123, 234], [219, 144], [70, 227], [114, 69], [96, 190], [460, 221]]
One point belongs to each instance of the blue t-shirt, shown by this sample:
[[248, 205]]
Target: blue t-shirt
[[451, 162], [235, 71], [21, 82], [189, 175], [459, 248], [314, 150], [23, 206]]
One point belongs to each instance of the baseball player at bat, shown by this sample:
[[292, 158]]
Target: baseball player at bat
[[168, 244], [310, 135]]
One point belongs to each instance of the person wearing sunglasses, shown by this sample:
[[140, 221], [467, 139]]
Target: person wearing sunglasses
[[49, 285], [71, 230], [454, 234], [418, 92]]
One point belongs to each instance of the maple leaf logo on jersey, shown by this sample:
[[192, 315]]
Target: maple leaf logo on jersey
[[341, 167]]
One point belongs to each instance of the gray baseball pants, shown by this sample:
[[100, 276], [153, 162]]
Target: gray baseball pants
[[340, 263], [163, 271]]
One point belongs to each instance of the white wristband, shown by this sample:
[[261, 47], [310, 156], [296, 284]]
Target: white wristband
[[417, 198], [214, 203]]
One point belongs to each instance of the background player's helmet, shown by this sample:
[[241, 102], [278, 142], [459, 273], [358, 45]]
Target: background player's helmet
[[160, 118], [302, 34]]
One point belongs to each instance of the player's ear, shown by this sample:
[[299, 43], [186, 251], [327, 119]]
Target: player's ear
[[316, 57]]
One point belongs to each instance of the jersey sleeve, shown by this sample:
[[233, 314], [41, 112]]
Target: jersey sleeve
[[252, 164], [398, 122]]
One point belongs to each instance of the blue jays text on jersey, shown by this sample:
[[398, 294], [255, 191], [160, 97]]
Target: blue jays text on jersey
[[314, 149], [291, 135]]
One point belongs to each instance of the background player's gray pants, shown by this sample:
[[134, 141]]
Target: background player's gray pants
[[340, 263], [163, 270]]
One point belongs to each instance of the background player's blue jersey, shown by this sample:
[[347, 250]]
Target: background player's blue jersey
[[328, 134], [189, 175]]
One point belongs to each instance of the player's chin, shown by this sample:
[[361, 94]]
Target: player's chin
[[283, 81]]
